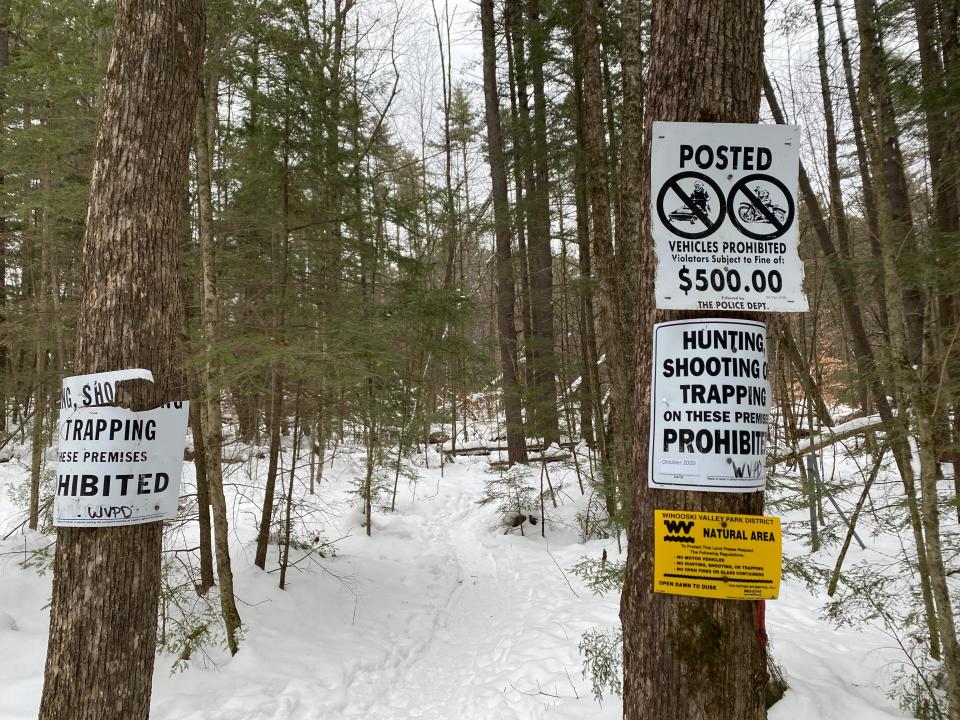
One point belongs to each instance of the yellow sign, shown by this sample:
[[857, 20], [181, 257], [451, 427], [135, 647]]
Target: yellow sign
[[731, 557]]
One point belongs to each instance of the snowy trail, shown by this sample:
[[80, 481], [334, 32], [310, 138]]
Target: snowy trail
[[451, 619], [470, 666]]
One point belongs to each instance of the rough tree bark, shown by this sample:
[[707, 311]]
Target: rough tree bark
[[544, 362], [516, 445], [886, 160], [106, 582], [518, 137], [689, 657], [613, 318], [631, 171]]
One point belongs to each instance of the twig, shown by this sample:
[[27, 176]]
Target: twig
[[562, 573]]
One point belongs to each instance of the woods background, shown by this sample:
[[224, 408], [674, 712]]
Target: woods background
[[408, 224]]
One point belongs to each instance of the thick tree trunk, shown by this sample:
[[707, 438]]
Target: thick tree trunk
[[516, 444], [687, 657], [102, 642], [631, 174], [544, 391]]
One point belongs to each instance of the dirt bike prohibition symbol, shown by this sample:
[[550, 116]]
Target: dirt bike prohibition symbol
[[761, 207]]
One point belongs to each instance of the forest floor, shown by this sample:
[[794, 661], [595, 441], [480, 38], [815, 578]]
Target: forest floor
[[439, 615]]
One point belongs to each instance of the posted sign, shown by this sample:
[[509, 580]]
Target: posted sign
[[710, 404], [724, 217], [116, 466], [717, 555]]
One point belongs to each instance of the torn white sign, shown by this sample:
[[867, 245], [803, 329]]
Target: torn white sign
[[97, 388], [116, 466]]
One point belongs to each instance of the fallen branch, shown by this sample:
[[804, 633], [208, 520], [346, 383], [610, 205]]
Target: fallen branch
[[832, 436]]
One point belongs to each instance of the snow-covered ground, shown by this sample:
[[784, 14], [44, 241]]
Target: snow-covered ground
[[438, 615]]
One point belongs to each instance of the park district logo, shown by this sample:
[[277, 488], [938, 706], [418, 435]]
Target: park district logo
[[678, 531]]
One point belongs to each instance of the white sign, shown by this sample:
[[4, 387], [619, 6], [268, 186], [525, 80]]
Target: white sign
[[116, 466], [710, 404], [724, 217]]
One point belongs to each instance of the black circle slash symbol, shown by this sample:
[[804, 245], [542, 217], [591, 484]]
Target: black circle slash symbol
[[691, 210], [760, 210]]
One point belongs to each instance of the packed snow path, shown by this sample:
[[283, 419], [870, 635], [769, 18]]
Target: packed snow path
[[438, 616]]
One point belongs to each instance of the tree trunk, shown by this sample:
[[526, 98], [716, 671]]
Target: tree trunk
[[203, 496], [288, 524], [4, 61], [212, 414], [929, 474], [276, 399], [895, 232], [102, 636], [37, 441], [837, 211], [516, 444], [942, 172], [869, 203], [678, 650], [631, 176], [892, 196], [518, 139], [543, 359], [266, 514], [588, 360], [612, 318]]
